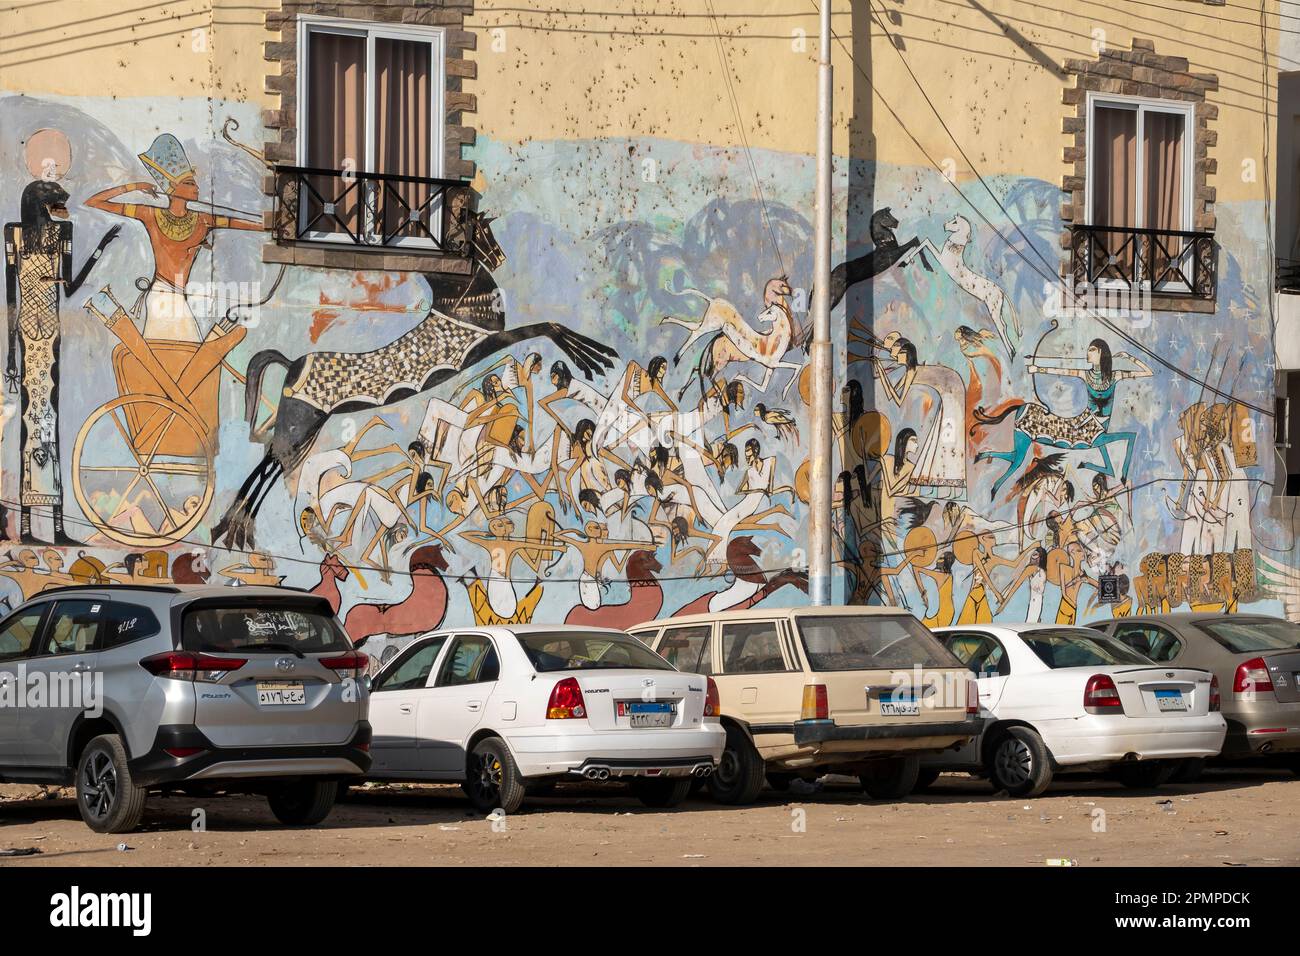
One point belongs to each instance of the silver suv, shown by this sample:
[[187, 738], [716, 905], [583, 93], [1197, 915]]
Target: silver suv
[[126, 689]]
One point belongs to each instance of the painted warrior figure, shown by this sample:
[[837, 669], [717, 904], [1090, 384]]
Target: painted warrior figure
[[176, 234], [38, 265]]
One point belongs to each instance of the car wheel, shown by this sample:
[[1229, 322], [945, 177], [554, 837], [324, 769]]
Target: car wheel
[[1188, 771], [892, 778], [493, 781], [739, 776], [107, 797], [661, 794], [1146, 774], [1019, 763], [303, 803], [925, 780]]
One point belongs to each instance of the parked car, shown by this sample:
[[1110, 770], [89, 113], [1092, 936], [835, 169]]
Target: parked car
[[508, 710], [808, 691], [1069, 698], [1257, 661], [185, 687]]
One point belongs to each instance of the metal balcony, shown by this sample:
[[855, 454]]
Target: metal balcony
[[1156, 261]]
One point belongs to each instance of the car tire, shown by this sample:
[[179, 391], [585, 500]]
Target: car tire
[[781, 781], [1188, 771], [303, 803], [925, 780], [893, 779], [107, 798], [662, 794], [740, 775], [1019, 762], [1146, 774], [492, 779]]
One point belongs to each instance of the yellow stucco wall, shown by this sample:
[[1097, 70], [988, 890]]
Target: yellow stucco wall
[[620, 72]]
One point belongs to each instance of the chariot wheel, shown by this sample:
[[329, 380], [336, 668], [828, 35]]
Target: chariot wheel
[[130, 477]]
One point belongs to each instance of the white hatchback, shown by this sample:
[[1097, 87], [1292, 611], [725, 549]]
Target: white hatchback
[[506, 710], [1069, 698]]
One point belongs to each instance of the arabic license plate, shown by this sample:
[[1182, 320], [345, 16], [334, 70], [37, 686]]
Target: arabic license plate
[[276, 693], [900, 707], [1170, 700], [663, 719]]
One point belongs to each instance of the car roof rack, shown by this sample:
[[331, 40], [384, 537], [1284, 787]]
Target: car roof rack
[[161, 588]]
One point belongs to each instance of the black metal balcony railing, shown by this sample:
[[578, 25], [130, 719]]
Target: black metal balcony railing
[[1288, 275], [1158, 261], [371, 209]]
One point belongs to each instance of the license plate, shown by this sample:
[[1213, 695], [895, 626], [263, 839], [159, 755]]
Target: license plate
[[651, 720], [900, 707], [275, 693], [1170, 700]]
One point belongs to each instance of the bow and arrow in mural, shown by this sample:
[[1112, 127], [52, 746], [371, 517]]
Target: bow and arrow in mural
[[1037, 424]]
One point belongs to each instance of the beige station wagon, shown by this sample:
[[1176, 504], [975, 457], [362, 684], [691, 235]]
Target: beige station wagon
[[862, 691]]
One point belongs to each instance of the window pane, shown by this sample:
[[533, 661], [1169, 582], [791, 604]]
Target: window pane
[[124, 623], [19, 633], [466, 659], [336, 97], [1162, 157], [687, 648], [403, 106], [247, 628], [1114, 191], [751, 648], [857, 642], [1114, 167], [73, 628], [413, 672]]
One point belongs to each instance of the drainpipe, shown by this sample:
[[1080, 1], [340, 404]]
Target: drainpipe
[[819, 528]]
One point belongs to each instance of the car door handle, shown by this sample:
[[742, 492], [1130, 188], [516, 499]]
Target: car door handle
[[473, 704], [81, 667], [405, 708]]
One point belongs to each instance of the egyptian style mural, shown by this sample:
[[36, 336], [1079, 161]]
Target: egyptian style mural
[[604, 420]]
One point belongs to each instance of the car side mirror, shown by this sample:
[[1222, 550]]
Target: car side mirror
[[366, 681]]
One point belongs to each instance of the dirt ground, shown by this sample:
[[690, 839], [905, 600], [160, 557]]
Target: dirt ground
[[1234, 818]]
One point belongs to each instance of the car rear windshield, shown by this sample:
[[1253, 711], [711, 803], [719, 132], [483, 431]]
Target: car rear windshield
[[1241, 637], [1079, 649], [271, 629], [864, 642], [574, 650]]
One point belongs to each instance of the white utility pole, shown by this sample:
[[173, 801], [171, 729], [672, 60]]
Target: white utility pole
[[819, 528]]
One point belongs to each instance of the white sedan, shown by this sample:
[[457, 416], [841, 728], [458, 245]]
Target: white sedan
[[505, 710], [1069, 698]]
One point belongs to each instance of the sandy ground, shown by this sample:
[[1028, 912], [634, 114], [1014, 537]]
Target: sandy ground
[[1229, 818]]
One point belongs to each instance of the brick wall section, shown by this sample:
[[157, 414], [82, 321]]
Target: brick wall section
[[281, 124], [1140, 71]]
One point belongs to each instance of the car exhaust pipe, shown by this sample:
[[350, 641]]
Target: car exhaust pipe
[[592, 773], [602, 774]]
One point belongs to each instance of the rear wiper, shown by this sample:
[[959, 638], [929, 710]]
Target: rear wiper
[[269, 645]]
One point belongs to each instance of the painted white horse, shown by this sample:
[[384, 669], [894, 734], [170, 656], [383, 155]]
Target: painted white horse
[[952, 259]]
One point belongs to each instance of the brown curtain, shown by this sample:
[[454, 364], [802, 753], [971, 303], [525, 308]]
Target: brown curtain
[[403, 102], [336, 94], [1114, 185], [1162, 149]]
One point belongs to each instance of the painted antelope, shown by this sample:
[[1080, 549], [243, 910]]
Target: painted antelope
[[465, 325]]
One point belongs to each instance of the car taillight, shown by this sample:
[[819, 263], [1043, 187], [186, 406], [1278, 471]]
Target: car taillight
[[712, 702], [186, 665], [815, 706], [1216, 699], [972, 698], [352, 664], [180, 752], [1252, 677], [1101, 696], [566, 701]]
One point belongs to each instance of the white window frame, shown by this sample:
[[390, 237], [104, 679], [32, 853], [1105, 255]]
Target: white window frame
[[1143, 105], [436, 37]]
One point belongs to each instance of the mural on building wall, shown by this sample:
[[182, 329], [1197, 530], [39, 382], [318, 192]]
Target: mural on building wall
[[603, 421]]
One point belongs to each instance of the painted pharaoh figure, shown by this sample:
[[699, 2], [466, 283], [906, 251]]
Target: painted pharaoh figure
[[38, 267]]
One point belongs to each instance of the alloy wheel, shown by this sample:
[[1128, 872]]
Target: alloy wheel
[[488, 779], [100, 784]]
